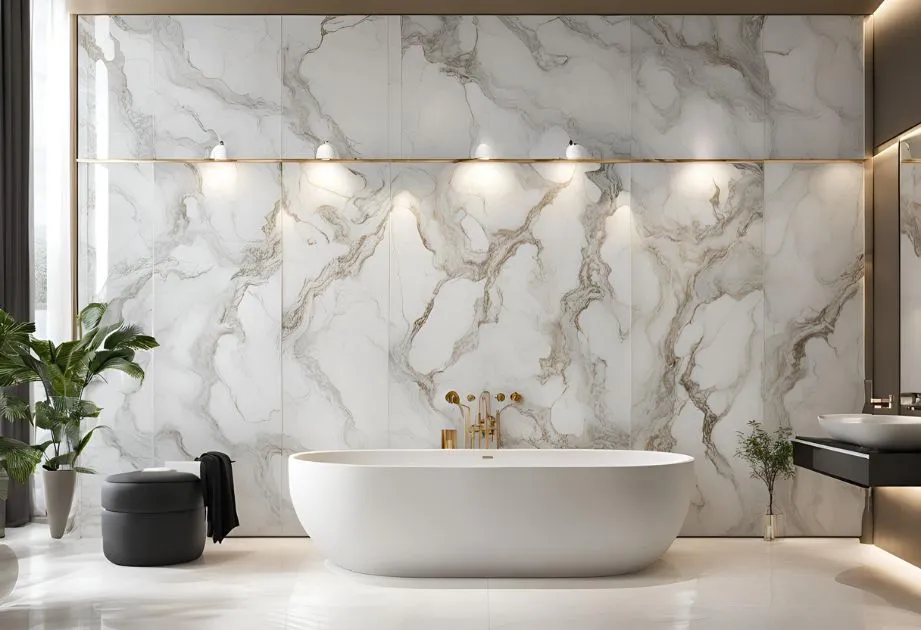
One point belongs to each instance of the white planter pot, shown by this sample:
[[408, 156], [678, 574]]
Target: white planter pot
[[59, 497]]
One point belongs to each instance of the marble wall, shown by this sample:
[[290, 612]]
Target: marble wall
[[324, 305]]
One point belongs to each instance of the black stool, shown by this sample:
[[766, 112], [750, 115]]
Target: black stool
[[152, 518]]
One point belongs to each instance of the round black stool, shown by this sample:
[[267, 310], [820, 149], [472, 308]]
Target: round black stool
[[152, 518]]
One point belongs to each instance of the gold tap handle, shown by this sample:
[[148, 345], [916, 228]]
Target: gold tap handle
[[452, 397]]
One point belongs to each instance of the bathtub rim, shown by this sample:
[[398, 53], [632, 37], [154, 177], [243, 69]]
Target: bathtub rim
[[673, 459]]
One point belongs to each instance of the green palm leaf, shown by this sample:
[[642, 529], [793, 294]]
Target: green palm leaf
[[55, 463], [13, 332], [85, 441], [18, 459], [12, 408], [119, 360], [91, 315], [130, 336]]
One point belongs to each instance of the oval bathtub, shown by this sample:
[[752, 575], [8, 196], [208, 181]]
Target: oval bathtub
[[505, 513]]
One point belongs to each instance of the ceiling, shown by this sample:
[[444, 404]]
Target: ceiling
[[513, 7]]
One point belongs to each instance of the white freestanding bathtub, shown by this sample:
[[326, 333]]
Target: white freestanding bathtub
[[496, 513]]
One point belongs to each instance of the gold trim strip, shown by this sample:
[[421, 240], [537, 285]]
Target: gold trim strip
[[471, 7], [469, 161]]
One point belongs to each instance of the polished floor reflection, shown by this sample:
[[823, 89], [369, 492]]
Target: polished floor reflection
[[718, 584]]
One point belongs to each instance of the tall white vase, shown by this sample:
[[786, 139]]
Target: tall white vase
[[59, 496]]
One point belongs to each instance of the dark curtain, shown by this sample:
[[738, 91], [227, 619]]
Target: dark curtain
[[15, 239]]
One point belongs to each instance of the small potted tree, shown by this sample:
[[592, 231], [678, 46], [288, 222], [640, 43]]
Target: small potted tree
[[770, 457], [63, 371]]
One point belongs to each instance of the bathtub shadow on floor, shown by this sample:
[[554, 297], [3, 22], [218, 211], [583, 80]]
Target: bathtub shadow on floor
[[661, 573]]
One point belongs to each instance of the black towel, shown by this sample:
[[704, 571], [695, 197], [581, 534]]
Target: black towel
[[220, 503]]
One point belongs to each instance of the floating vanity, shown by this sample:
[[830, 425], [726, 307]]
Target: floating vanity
[[857, 465]]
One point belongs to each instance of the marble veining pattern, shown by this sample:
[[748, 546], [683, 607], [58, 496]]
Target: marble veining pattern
[[814, 304], [815, 102], [336, 82], [117, 240], [524, 85], [313, 306], [334, 361], [115, 86], [217, 280], [201, 98], [511, 277], [740, 87], [701, 84], [697, 335]]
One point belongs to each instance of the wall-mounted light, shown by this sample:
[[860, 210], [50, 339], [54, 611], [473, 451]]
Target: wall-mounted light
[[482, 152], [326, 151], [219, 152], [575, 151]]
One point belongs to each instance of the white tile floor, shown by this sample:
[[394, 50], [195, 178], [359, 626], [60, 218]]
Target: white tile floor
[[718, 584]]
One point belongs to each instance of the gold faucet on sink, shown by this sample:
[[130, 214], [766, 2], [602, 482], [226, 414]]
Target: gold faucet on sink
[[485, 430]]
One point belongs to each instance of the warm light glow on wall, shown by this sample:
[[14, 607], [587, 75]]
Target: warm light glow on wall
[[696, 179], [219, 179], [483, 178], [330, 176], [889, 8]]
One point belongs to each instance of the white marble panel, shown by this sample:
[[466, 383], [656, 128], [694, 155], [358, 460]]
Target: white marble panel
[[217, 78], [218, 318], [335, 292], [700, 87], [511, 277], [524, 85], [697, 335], [816, 94], [910, 267], [814, 300], [117, 222], [336, 76], [115, 86]]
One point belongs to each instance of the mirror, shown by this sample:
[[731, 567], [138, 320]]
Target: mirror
[[910, 270]]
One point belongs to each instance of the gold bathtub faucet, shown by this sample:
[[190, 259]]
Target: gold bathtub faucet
[[484, 431]]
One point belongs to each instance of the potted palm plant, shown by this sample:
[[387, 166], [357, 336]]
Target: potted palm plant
[[770, 457], [17, 461], [64, 372]]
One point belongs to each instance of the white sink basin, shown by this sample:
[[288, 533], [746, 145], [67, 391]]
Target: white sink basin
[[889, 433]]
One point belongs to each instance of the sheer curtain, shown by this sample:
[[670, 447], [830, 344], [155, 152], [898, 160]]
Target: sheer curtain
[[51, 155]]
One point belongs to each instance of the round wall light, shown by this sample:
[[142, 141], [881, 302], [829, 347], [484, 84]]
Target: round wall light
[[326, 151], [219, 152], [575, 151]]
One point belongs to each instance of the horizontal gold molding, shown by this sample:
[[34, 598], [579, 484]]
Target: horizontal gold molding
[[468, 161], [472, 7]]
